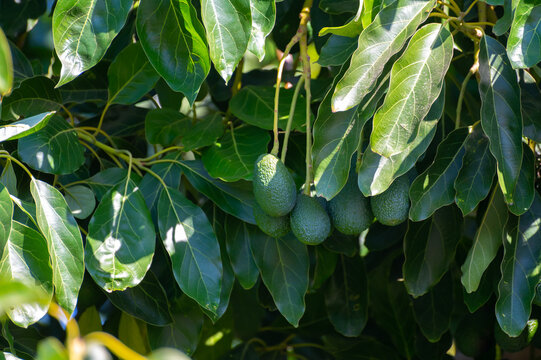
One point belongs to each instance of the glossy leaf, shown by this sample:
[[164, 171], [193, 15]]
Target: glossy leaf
[[192, 245], [337, 50], [121, 238], [520, 269], [34, 96], [525, 189], [236, 199], [429, 248], [336, 138], [63, 241], [531, 106], [24, 127], [24, 258], [232, 158], [130, 76], [228, 25], [416, 82], [283, 265], [147, 301], [377, 172], [238, 236], [434, 187], [8, 178], [104, 180], [486, 242], [81, 201], [6, 65], [55, 149], [351, 29], [263, 18], [22, 68], [524, 43], [346, 296], [383, 38], [500, 112], [204, 132], [476, 174], [6, 214], [164, 126], [255, 105], [83, 31]]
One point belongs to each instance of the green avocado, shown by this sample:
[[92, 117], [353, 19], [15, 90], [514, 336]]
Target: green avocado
[[274, 188], [309, 221], [270, 225], [350, 210], [514, 344], [391, 207]]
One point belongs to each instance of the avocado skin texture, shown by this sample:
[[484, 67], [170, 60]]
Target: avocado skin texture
[[391, 207], [350, 210], [274, 188], [275, 227], [309, 221]]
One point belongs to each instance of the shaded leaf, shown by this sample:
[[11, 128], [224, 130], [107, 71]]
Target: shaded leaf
[[8, 178], [173, 39], [416, 82], [133, 333], [55, 149], [121, 238], [104, 180], [238, 236], [81, 201], [524, 43], [89, 321], [204, 132], [263, 19], [531, 106], [383, 38], [192, 245], [362, 348], [429, 248], [283, 265], [500, 112], [22, 68], [337, 50], [486, 242], [165, 126], [351, 29], [326, 261], [525, 189], [83, 31], [63, 241], [24, 127]]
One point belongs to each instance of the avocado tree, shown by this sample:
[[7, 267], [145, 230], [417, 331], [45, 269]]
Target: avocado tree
[[251, 179]]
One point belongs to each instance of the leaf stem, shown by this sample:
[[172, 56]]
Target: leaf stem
[[472, 71], [306, 74], [469, 9], [161, 152], [116, 346], [100, 123], [4, 154], [290, 118]]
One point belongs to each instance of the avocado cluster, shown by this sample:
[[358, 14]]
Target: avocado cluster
[[279, 209]]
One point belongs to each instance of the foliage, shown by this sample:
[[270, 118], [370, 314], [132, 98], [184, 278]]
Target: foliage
[[129, 131]]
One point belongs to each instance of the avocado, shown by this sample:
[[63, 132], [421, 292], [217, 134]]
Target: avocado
[[350, 210], [391, 207], [274, 188], [270, 225], [514, 344], [309, 221]]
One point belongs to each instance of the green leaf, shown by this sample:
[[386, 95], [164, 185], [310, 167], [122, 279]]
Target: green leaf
[[51, 349], [192, 245], [433, 310], [383, 38], [63, 241], [55, 149], [525, 189], [489, 282], [416, 82], [232, 158], [167, 354], [236, 199], [434, 187], [6, 214], [89, 321], [361, 348], [133, 333], [25, 258], [377, 172], [339, 7], [121, 238], [524, 43], [147, 301], [34, 96], [346, 296], [255, 105], [337, 50], [83, 31], [263, 19], [174, 40], [130, 76], [531, 106], [336, 138], [81, 201], [204, 132], [104, 180], [520, 269], [504, 23], [165, 126], [429, 248], [486, 242], [8, 178], [370, 9], [500, 112], [15, 293], [283, 265], [351, 29], [325, 265], [25, 126], [475, 177], [22, 68], [238, 237], [229, 25], [6, 65]]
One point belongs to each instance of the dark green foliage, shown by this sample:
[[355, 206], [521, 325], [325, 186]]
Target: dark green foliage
[[391, 207], [270, 225], [350, 210], [309, 222]]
